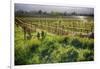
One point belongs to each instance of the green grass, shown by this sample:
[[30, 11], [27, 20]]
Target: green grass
[[52, 49]]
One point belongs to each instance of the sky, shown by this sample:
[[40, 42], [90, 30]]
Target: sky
[[50, 8]]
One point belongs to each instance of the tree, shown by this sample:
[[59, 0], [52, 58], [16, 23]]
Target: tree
[[40, 12], [65, 13], [73, 13]]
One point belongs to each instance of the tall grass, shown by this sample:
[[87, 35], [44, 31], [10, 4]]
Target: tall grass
[[52, 49]]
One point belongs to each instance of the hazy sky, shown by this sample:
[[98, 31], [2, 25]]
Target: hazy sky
[[49, 8]]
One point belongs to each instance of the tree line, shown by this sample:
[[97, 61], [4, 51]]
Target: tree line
[[44, 13]]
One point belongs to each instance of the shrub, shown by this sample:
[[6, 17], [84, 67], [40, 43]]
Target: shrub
[[91, 45], [76, 43], [88, 55], [65, 41], [33, 45], [56, 53], [20, 56], [87, 43], [70, 56], [38, 35], [35, 59], [43, 34]]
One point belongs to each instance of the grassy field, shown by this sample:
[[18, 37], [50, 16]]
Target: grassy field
[[53, 40]]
